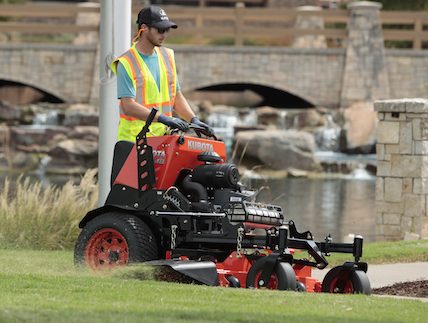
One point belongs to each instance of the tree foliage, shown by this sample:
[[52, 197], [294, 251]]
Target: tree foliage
[[404, 5]]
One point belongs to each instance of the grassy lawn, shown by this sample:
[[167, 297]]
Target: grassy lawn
[[44, 286], [388, 252]]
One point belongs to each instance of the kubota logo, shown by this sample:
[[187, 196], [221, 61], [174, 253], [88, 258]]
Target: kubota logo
[[197, 145], [159, 156]]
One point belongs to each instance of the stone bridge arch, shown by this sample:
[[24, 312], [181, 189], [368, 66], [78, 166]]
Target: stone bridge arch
[[64, 70], [270, 95], [51, 94], [314, 75]]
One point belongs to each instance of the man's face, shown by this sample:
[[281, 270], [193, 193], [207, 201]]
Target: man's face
[[156, 36]]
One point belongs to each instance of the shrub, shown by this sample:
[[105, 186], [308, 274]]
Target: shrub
[[34, 217]]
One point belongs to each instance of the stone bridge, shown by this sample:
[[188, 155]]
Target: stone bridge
[[330, 77], [314, 75]]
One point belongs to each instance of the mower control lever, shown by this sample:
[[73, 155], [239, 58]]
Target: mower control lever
[[149, 121]]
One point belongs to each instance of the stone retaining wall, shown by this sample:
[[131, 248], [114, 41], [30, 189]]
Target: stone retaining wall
[[402, 170]]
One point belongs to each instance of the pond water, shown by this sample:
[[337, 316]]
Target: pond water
[[339, 206]]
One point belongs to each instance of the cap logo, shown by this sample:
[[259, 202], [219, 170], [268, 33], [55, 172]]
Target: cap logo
[[163, 15]]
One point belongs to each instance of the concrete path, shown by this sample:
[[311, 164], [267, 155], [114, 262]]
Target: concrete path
[[386, 275]]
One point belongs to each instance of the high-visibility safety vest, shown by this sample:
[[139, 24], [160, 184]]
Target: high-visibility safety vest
[[147, 92]]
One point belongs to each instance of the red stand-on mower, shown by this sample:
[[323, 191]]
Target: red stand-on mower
[[175, 203]]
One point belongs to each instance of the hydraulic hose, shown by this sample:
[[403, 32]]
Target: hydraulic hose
[[197, 191]]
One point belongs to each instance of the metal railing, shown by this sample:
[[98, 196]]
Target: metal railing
[[237, 25], [27, 22]]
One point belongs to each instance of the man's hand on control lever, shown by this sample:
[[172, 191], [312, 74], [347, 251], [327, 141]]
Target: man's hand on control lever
[[174, 123], [196, 121]]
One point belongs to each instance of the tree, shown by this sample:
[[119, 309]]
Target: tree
[[404, 5]]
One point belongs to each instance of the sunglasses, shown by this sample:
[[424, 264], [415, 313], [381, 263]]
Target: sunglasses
[[163, 30]]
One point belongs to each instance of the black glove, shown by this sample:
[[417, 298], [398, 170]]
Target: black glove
[[196, 121], [173, 123]]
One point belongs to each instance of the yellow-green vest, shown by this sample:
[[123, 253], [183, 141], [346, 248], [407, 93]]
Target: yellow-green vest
[[146, 90]]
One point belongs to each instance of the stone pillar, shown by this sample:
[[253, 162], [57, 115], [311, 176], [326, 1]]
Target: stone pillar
[[402, 169], [87, 19], [306, 21], [365, 73]]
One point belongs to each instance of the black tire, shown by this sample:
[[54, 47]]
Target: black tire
[[282, 272], [343, 280], [300, 287], [135, 242], [233, 282]]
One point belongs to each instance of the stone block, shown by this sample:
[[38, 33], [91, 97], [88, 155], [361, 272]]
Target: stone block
[[420, 147], [424, 162], [406, 223], [393, 231], [426, 205], [420, 129], [380, 151], [380, 193], [389, 207], [411, 236], [405, 145], [416, 115], [417, 222], [420, 186], [388, 132], [414, 205], [381, 116], [383, 168], [379, 218], [406, 166], [424, 227], [379, 230], [392, 218], [407, 185], [392, 149], [393, 189], [398, 105], [417, 106]]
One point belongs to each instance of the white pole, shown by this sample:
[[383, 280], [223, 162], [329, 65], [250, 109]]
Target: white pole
[[115, 38]]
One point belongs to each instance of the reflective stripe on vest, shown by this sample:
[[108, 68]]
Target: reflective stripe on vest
[[147, 92]]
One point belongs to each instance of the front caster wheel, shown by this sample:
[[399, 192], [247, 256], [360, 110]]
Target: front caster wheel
[[283, 276], [342, 280]]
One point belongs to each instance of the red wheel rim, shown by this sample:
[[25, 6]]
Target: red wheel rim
[[106, 249], [342, 286], [272, 284]]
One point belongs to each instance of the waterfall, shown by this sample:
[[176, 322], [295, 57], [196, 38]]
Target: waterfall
[[327, 137], [45, 118]]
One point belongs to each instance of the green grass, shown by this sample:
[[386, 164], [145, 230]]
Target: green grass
[[44, 286], [388, 252]]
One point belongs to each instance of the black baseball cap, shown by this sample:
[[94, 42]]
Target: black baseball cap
[[155, 16]]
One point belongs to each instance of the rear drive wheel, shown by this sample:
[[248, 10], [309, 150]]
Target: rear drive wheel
[[283, 276], [341, 280], [113, 240]]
